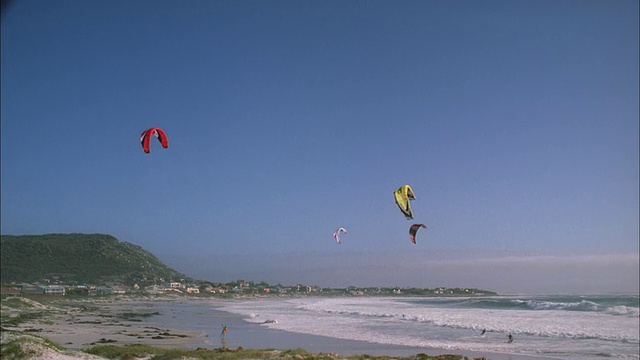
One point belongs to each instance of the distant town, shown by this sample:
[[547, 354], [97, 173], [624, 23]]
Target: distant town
[[239, 288]]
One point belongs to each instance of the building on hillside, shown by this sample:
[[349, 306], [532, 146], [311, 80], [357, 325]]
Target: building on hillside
[[26, 288], [52, 290], [9, 292], [155, 289], [193, 290], [216, 290], [77, 290], [104, 290], [119, 290]]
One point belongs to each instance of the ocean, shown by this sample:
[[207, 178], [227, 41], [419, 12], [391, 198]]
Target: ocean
[[558, 326]]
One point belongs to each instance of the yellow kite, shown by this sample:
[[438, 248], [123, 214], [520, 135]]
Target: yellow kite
[[403, 195]]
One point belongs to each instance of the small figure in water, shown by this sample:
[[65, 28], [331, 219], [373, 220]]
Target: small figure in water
[[483, 331], [510, 337], [224, 331]]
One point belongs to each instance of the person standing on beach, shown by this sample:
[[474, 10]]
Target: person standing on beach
[[510, 337], [224, 331]]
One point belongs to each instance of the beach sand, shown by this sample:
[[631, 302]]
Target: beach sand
[[80, 324]]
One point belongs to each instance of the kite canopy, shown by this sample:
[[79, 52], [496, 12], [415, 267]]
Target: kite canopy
[[413, 230], [158, 133], [403, 195], [336, 234]]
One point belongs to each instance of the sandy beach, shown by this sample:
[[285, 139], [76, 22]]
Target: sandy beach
[[83, 323], [78, 324]]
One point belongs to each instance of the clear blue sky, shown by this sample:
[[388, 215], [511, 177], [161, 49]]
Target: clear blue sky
[[515, 122]]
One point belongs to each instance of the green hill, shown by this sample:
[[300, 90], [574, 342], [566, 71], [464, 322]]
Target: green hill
[[79, 258]]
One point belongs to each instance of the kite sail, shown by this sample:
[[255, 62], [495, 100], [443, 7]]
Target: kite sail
[[403, 195], [145, 138], [413, 230], [336, 234]]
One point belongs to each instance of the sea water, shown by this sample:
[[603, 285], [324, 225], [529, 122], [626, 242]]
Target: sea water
[[566, 327]]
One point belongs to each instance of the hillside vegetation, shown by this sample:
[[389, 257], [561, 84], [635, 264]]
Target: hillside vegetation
[[79, 258]]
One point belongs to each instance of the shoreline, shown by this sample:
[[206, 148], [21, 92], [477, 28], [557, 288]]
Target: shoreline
[[243, 333], [78, 324]]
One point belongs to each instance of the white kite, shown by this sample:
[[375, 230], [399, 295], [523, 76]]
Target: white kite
[[336, 234]]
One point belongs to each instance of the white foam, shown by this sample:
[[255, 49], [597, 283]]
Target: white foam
[[570, 333]]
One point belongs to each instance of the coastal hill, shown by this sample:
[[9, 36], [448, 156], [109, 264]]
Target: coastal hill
[[97, 259], [79, 258]]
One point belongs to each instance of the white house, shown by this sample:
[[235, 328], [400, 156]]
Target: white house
[[154, 289], [52, 289]]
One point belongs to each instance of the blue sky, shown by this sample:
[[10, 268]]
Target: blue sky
[[515, 122]]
